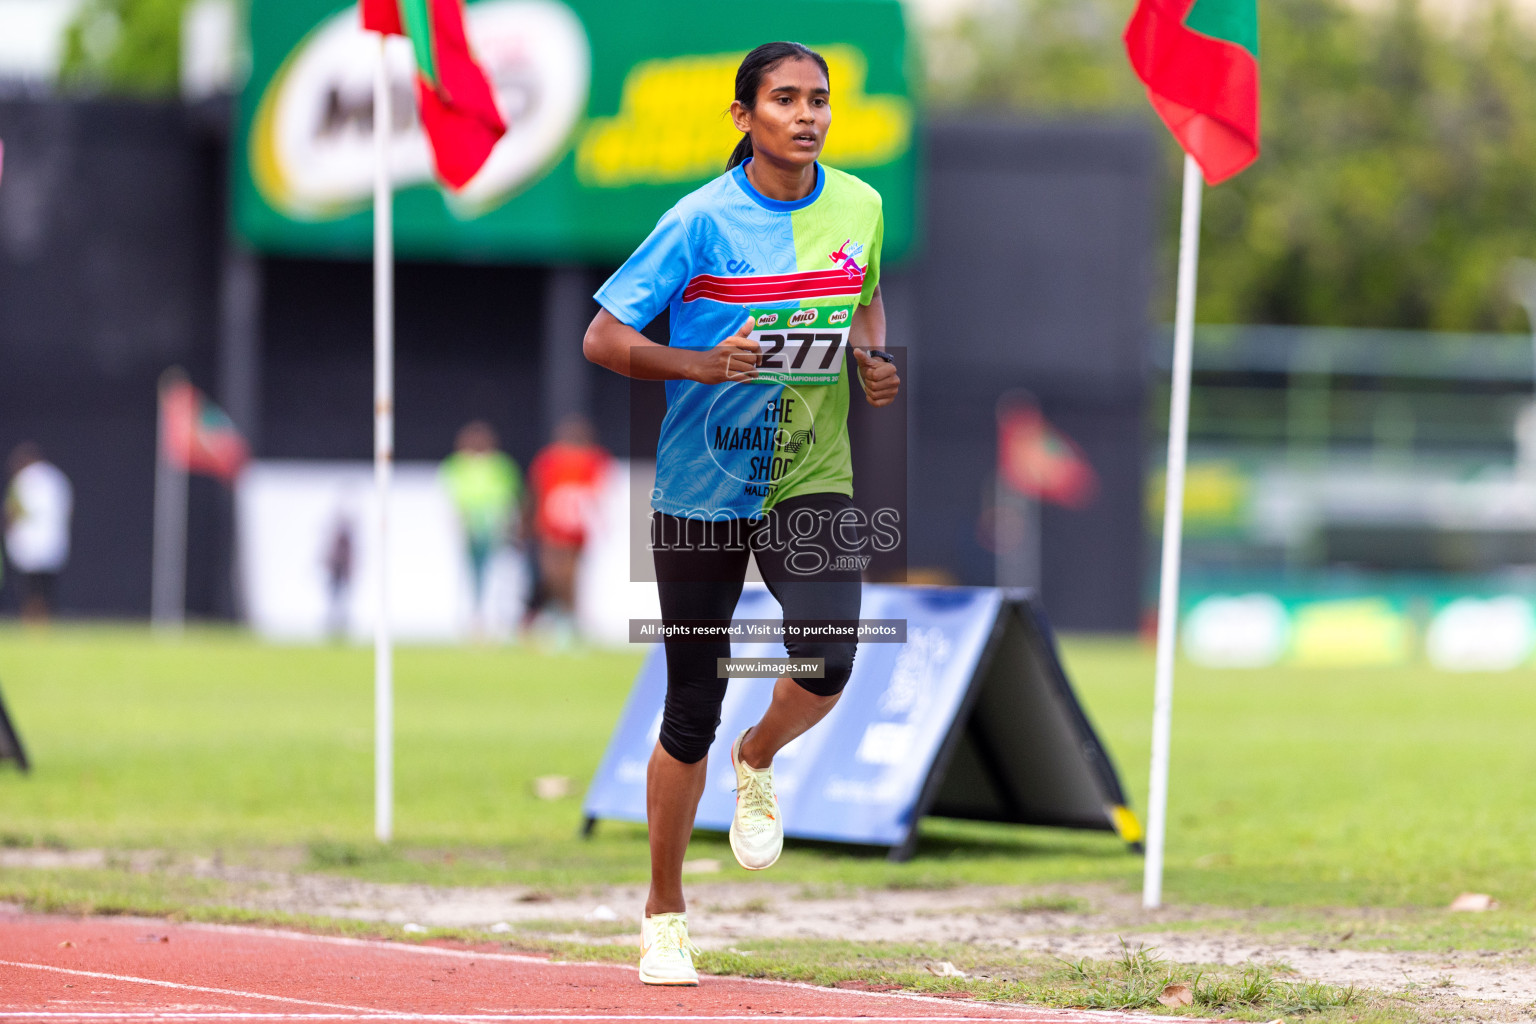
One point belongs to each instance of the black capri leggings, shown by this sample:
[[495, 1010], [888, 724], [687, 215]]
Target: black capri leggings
[[700, 566]]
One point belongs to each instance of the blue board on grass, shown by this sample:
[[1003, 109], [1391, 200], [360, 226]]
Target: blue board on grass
[[970, 717]]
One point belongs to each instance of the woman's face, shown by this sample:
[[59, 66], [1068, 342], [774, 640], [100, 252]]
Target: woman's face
[[789, 124]]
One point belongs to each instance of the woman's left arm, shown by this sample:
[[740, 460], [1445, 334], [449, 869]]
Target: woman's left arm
[[877, 375]]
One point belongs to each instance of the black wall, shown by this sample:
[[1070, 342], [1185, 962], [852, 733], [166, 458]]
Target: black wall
[[1035, 275], [109, 236], [1037, 242], [466, 347]]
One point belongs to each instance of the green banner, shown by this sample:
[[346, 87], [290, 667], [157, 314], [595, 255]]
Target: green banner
[[614, 109]]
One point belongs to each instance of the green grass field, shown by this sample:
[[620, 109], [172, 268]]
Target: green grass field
[[1361, 787], [1305, 805]]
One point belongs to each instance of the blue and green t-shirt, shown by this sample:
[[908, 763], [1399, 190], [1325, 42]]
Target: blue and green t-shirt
[[724, 252]]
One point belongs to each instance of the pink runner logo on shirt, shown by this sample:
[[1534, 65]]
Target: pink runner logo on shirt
[[844, 258]]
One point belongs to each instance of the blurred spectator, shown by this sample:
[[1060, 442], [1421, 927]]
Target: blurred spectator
[[37, 509], [565, 478], [485, 486], [339, 561]]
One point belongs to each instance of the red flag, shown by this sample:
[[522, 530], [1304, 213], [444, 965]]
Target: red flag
[[453, 93], [1199, 60], [196, 434], [1036, 459], [382, 16]]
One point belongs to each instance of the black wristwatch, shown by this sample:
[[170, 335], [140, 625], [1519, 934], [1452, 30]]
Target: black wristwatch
[[880, 353]]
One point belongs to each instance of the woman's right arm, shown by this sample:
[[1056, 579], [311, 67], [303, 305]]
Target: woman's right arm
[[611, 343]]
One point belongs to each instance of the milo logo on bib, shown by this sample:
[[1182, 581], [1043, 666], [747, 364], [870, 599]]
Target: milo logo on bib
[[807, 350]]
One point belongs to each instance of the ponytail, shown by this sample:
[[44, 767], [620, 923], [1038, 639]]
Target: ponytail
[[749, 76], [742, 153]]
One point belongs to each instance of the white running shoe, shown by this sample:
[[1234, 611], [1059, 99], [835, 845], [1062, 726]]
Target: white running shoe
[[666, 955], [757, 832]]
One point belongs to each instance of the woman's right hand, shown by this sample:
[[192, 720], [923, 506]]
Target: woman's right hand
[[734, 359]]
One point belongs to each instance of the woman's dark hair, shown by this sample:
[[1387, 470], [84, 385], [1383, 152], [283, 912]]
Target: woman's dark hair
[[750, 75]]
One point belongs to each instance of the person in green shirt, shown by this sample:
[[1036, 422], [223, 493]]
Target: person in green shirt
[[486, 487]]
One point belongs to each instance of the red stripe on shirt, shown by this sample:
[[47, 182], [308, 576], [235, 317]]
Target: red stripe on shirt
[[848, 289], [772, 287]]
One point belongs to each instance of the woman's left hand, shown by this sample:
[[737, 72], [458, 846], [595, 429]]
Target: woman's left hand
[[879, 378]]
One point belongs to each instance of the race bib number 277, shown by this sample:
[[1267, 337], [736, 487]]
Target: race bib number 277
[[801, 346]]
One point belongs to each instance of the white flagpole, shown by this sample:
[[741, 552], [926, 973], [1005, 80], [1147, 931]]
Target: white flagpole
[[1173, 532], [383, 446]]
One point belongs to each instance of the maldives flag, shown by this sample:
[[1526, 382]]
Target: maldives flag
[[1036, 459], [1199, 60], [197, 435], [453, 94]]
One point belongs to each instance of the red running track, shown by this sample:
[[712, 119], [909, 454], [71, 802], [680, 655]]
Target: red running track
[[124, 969]]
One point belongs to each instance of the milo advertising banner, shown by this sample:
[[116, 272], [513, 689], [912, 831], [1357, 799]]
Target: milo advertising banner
[[614, 110]]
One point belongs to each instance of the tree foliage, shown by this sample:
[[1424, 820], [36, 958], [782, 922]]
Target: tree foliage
[[126, 47], [1398, 168]]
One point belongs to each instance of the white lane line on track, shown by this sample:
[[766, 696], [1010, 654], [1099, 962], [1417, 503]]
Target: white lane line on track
[[402, 947], [521, 958], [179, 986], [1058, 1016]]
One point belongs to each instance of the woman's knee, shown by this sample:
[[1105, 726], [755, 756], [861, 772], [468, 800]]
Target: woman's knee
[[689, 719], [837, 666]]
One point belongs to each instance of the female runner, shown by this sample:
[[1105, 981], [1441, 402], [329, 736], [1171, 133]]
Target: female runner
[[770, 272]]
